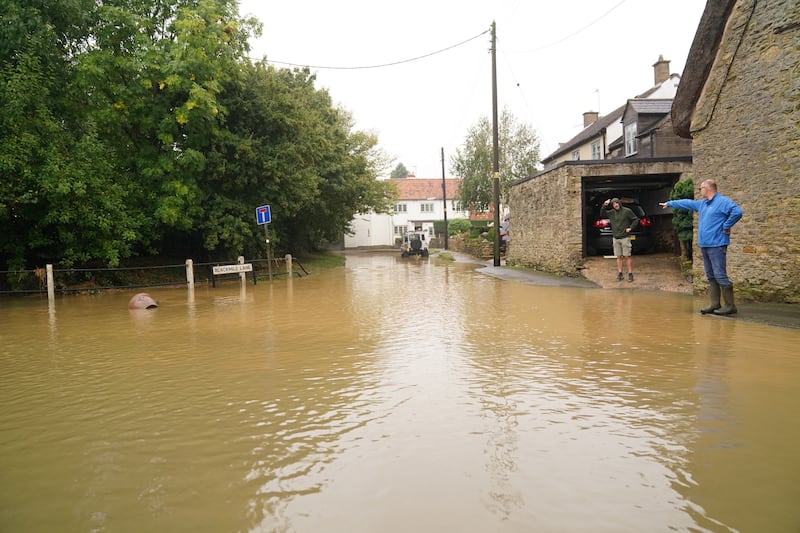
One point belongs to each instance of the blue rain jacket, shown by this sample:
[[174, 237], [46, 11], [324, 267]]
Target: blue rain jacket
[[718, 214]]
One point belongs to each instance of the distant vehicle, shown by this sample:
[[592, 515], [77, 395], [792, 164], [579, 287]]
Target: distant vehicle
[[598, 231], [414, 243]]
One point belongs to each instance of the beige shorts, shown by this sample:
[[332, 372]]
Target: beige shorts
[[622, 247]]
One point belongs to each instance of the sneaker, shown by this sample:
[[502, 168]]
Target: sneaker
[[630, 276], [619, 276]]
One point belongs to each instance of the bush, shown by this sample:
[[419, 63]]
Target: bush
[[682, 219], [457, 225]]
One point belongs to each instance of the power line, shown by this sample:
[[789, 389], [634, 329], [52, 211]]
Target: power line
[[417, 58], [322, 67], [573, 34]]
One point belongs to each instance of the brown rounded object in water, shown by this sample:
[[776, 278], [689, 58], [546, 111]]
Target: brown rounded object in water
[[142, 301]]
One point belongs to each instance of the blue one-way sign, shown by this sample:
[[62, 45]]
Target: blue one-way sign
[[263, 216]]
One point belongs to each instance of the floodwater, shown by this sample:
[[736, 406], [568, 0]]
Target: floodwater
[[395, 395]]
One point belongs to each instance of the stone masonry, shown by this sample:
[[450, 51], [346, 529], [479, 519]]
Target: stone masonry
[[546, 211], [746, 135]]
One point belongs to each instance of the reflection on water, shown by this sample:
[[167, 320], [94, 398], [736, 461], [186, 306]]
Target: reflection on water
[[395, 395]]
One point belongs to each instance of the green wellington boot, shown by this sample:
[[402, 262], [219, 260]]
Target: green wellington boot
[[729, 308], [713, 299]]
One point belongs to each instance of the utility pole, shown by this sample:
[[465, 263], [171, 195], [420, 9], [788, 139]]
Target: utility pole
[[444, 200], [495, 151]]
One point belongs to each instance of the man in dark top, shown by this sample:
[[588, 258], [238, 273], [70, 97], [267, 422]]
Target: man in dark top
[[623, 221]]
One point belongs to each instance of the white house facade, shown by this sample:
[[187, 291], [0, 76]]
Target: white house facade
[[419, 204]]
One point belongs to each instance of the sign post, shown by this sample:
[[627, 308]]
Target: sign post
[[264, 217]]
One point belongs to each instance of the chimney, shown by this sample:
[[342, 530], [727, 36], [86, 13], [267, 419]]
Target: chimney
[[661, 70], [589, 118]]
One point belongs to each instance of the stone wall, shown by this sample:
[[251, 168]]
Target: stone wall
[[746, 135], [546, 219], [546, 223]]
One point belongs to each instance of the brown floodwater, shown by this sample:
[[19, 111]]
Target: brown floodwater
[[395, 395]]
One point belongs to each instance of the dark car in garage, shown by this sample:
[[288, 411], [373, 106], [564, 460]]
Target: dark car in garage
[[598, 231]]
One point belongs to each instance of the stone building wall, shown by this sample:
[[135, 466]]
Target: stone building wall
[[746, 135], [546, 222]]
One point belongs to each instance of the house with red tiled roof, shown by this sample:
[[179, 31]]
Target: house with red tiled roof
[[420, 202]]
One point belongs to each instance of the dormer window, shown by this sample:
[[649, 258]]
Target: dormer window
[[631, 146]]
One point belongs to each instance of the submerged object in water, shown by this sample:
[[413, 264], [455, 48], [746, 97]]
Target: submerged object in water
[[142, 301]]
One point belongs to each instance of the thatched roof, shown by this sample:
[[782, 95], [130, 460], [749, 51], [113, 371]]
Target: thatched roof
[[699, 62]]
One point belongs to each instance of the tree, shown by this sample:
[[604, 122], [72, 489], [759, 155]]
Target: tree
[[142, 128], [59, 198], [154, 74], [518, 158], [682, 219], [400, 171], [287, 144]]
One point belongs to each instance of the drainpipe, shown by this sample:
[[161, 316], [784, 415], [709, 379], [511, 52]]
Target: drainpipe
[[603, 133]]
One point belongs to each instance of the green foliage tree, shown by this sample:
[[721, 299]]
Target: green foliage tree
[[682, 219], [132, 127], [458, 225], [59, 199], [155, 75], [400, 171], [473, 162], [286, 143]]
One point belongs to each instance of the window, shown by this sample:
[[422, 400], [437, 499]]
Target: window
[[597, 150], [426, 208], [455, 205], [400, 208], [631, 146], [576, 155], [399, 230]]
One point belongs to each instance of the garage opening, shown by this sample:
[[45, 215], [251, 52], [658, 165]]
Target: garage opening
[[641, 194]]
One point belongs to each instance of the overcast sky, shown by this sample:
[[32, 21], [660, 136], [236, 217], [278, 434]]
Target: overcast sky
[[418, 72]]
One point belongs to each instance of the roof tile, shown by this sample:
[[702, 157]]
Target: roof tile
[[425, 189]]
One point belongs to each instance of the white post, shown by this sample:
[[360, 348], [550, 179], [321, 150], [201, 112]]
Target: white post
[[242, 275], [51, 290], [288, 259], [190, 273]]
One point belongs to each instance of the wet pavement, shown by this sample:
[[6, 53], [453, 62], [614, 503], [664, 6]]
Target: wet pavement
[[653, 272], [773, 314]]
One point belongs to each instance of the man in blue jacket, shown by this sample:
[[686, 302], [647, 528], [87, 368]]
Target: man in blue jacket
[[717, 215]]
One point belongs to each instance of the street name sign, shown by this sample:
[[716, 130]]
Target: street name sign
[[232, 269]]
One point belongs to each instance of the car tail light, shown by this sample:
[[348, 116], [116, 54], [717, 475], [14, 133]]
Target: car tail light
[[600, 223], [645, 221]]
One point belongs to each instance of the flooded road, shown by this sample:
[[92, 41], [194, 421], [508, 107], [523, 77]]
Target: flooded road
[[395, 395]]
